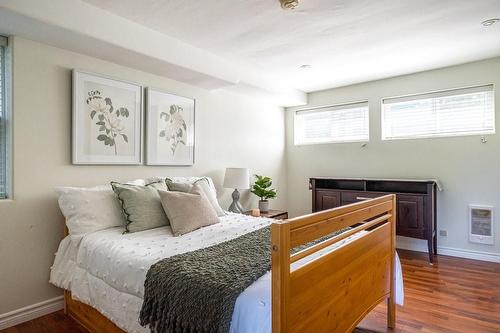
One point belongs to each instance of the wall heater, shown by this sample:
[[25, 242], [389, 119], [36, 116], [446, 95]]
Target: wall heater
[[481, 224]]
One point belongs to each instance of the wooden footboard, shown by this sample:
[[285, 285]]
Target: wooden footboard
[[334, 292]]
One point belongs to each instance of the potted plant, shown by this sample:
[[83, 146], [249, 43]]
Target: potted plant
[[262, 189]]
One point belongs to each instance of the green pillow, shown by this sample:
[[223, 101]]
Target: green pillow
[[204, 184], [141, 205], [178, 187]]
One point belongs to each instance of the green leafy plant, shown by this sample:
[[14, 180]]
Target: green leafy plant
[[108, 119], [262, 188], [175, 127]]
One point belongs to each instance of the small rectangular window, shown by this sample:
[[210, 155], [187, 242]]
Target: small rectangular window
[[332, 124], [3, 120], [467, 111]]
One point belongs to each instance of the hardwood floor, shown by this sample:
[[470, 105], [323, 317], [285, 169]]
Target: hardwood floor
[[453, 296], [56, 322]]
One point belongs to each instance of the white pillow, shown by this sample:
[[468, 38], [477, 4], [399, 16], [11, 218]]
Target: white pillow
[[89, 209], [139, 181]]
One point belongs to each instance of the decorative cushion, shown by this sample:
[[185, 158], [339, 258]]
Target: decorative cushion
[[89, 209], [182, 179], [141, 205], [205, 186], [178, 187], [138, 181], [188, 211]]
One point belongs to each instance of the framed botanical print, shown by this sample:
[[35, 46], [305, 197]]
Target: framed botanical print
[[107, 120], [170, 128]]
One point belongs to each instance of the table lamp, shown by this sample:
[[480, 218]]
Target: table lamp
[[237, 178]]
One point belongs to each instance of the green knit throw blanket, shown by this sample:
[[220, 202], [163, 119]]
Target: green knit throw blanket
[[195, 292]]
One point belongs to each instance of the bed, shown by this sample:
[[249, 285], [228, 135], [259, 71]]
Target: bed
[[327, 287]]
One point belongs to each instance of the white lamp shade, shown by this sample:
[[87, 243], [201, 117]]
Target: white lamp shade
[[238, 178]]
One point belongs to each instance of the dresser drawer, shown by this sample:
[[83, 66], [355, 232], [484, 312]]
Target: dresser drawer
[[326, 199], [410, 216], [351, 197]]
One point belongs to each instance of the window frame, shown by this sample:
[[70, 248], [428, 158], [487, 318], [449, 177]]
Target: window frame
[[8, 116], [438, 135], [338, 106]]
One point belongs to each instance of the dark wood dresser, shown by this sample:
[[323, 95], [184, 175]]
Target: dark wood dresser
[[416, 202]]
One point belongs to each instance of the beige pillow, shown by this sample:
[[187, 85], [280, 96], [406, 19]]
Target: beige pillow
[[188, 211], [205, 186]]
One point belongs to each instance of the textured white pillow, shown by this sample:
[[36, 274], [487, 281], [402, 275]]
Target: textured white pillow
[[89, 209], [139, 181]]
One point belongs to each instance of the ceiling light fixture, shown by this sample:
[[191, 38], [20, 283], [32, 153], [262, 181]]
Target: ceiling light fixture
[[289, 4], [305, 67], [490, 22]]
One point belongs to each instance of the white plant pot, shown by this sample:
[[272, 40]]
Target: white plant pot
[[264, 206]]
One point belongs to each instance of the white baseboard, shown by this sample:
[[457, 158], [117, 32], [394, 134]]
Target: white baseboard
[[469, 254], [411, 244], [421, 246], [31, 312]]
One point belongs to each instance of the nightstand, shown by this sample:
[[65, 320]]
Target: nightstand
[[273, 214]]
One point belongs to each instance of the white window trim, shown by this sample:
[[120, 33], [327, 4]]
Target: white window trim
[[339, 106], [9, 116], [438, 135]]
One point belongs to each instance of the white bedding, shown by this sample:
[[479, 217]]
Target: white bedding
[[107, 270]]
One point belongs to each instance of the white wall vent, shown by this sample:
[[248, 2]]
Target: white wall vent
[[481, 224]]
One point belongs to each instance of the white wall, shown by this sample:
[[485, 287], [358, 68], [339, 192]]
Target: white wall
[[231, 130], [468, 170]]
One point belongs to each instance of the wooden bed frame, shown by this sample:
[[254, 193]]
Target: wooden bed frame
[[331, 293]]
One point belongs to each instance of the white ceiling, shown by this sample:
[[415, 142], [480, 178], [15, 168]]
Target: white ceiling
[[345, 41], [83, 28]]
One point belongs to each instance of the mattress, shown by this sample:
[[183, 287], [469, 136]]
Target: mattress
[[107, 270]]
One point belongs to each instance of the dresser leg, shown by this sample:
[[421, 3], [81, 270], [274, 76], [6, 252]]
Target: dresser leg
[[435, 245], [430, 245]]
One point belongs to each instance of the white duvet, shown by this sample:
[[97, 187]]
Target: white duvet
[[107, 270]]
